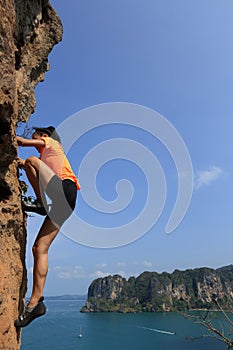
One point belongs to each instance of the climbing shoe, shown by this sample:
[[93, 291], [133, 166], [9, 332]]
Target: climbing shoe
[[33, 205], [29, 314]]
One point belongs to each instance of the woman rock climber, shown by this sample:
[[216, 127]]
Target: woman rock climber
[[51, 175]]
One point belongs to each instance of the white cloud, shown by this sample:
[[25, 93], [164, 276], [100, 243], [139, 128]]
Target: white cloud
[[206, 177], [65, 275], [71, 272], [147, 263], [101, 265], [99, 274], [78, 272], [121, 264]]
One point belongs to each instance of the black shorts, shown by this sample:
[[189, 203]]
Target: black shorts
[[63, 194]]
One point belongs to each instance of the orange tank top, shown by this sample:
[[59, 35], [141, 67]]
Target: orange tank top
[[52, 154]]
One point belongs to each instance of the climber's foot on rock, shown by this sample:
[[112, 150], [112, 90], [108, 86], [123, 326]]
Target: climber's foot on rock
[[29, 314], [33, 206]]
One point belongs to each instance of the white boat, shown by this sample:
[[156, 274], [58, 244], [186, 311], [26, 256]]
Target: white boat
[[80, 333]]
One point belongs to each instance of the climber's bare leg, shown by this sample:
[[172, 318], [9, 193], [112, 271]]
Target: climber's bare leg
[[35, 170], [40, 249]]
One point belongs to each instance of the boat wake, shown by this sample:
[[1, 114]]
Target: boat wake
[[158, 330]]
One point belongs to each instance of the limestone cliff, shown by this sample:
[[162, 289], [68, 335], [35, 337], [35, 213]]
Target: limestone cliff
[[28, 31], [152, 291]]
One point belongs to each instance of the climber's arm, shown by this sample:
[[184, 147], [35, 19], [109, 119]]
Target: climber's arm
[[29, 142]]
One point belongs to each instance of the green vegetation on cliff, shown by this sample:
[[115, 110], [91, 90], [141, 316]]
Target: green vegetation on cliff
[[151, 291]]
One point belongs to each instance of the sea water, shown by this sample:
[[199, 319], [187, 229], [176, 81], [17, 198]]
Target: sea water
[[60, 329]]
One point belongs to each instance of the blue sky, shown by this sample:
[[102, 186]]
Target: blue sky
[[174, 57]]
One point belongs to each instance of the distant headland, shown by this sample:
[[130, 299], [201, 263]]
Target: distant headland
[[151, 291]]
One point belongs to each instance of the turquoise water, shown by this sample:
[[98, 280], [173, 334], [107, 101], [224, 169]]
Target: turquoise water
[[60, 327]]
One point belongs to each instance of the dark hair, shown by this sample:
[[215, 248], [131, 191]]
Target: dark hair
[[50, 131]]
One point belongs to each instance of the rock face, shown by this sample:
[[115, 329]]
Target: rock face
[[28, 31], [181, 290]]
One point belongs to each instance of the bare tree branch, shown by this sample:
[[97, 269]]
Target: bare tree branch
[[213, 331]]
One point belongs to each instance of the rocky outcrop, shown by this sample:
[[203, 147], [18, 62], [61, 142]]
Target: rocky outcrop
[[28, 31], [181, 290], [109, 288]]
